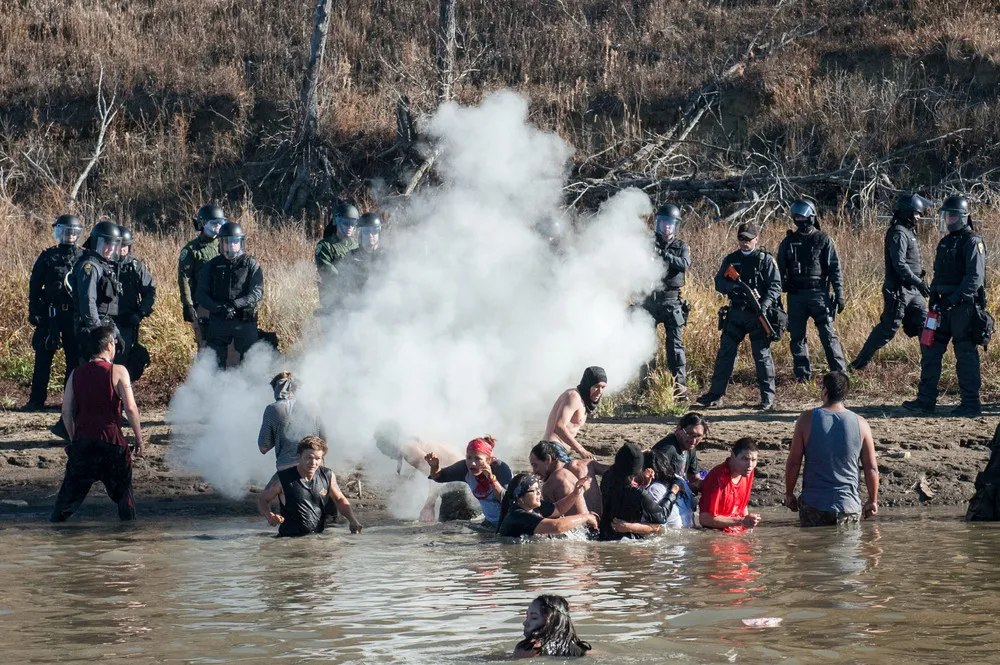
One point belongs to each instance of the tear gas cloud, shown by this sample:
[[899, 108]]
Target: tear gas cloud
[[471, 325]]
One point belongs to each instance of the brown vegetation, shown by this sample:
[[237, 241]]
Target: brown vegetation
[[208, 95]]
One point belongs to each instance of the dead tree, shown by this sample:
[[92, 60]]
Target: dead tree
[[446, 51], [106, 113], [308, 149]]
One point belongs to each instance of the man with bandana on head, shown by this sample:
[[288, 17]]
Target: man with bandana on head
[[286, 422], [570, 411]]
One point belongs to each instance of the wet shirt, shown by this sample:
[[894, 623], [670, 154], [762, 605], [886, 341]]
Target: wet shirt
[[681, 515], [520, 522], [305, 505], [489, 503], [685, 461], [97, 410], [721, 498]]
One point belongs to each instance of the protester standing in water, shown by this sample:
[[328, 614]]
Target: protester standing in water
[[549, 631], [725, 494], [663, 488], [624, 502], [485, 475], [95, 395], [570, 411], [524, 513], [679, 447], [837, 446], [308, 493], [286, 422]]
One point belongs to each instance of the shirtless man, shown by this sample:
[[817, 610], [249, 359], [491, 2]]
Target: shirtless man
[[391, 442], [560, 475], [571, 410]]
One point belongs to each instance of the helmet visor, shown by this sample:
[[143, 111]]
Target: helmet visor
[[951, 220], [66, 235], [231, 247], [108, 248], [346, 225], [212, 226], [368, 237], [667, 226]]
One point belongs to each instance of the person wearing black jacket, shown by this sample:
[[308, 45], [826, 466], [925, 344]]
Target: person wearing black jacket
[[810, 267], [624, 503], [50, 307], [134, 305], [904, 292]]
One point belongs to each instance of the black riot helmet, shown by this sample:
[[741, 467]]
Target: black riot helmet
[[668, 221], [909, 208], [369, 231], [208, 220], [803, 214], [954, 214], [67, 229], [231, 240], [345, 217], [126, 236], [106, 240]]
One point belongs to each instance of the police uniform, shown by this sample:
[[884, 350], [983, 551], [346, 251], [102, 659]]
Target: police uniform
[[330, 254], [237, 284], [958, 289], [51, 311], [193, 258], [758, 271], [809, 266], [666, 307], [96, 290], [903, 304], [136, 303]]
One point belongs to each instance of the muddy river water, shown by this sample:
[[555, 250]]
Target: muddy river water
[[913, 588]]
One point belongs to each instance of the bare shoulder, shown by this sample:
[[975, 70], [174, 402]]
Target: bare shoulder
[[579, 468], [572, 398]]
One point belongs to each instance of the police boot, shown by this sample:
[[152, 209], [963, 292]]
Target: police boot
[[708, 399], [33, 407], [918, 406], [967, 410], [765, 405]]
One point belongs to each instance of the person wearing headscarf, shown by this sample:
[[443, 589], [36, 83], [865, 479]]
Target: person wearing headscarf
[[624, 502], [485, 475], [286, 422], [570, 411]]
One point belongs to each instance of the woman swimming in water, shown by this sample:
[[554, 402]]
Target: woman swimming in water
[[485, 475], [523, 513], [549, 631]]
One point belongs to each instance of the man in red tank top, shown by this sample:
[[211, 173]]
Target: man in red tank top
[[95, 395]]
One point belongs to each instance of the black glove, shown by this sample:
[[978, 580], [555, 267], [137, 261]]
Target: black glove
[[841, 304], [190, 315], [924, 290], [35, 319], [229, 312]]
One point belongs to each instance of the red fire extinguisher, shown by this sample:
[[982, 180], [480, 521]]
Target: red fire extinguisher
[[930, 327]]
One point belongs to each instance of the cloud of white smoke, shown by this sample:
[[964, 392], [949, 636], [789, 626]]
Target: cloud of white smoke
[[472, 323]]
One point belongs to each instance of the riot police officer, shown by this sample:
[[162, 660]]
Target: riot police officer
[[665, 304], [230, 287], [369, 253], [339, 241], [50, 307], [194, 257], [136, 303], [809, 267], [96, 288], [904, 292], [757, 273], [958, 293]]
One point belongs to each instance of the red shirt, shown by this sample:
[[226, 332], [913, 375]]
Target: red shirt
[[98, 412], [721, 498]]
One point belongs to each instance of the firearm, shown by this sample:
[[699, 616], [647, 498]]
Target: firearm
[[754, 298]]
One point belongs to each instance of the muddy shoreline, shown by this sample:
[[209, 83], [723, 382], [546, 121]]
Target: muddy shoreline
[[946, 453]]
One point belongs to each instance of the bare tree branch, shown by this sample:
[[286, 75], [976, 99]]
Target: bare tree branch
[[106, 113]]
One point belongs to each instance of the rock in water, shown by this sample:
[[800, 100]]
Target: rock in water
[[458, 504]]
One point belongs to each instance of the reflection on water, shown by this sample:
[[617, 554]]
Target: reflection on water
[[910, 590]]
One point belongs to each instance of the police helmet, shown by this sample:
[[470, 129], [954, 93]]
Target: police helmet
[[345, 216], [369, 228], [67, 229], [668, 220], [231, 240], [954, 214], [106, 239], [126, 236], [209, 218]]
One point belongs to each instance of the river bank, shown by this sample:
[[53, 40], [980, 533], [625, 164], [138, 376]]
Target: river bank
[[944, 453]]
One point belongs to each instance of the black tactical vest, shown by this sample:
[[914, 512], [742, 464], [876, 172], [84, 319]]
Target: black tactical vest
[[59, 262], [803, 262], [674, 279], [911, 255], [229, 280], [949, 261]]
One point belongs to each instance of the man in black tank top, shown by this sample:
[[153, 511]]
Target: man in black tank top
[[308, 493]]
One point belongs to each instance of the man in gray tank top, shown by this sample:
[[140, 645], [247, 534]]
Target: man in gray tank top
[[837, 445]]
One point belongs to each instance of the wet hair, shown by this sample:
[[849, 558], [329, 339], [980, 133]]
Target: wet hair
[[100, 337], [662, 466], [545, 449], [744, 445], [617, 492], [837, 386], [516, 488], [311, 443], [557, 636], [692, 419]]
